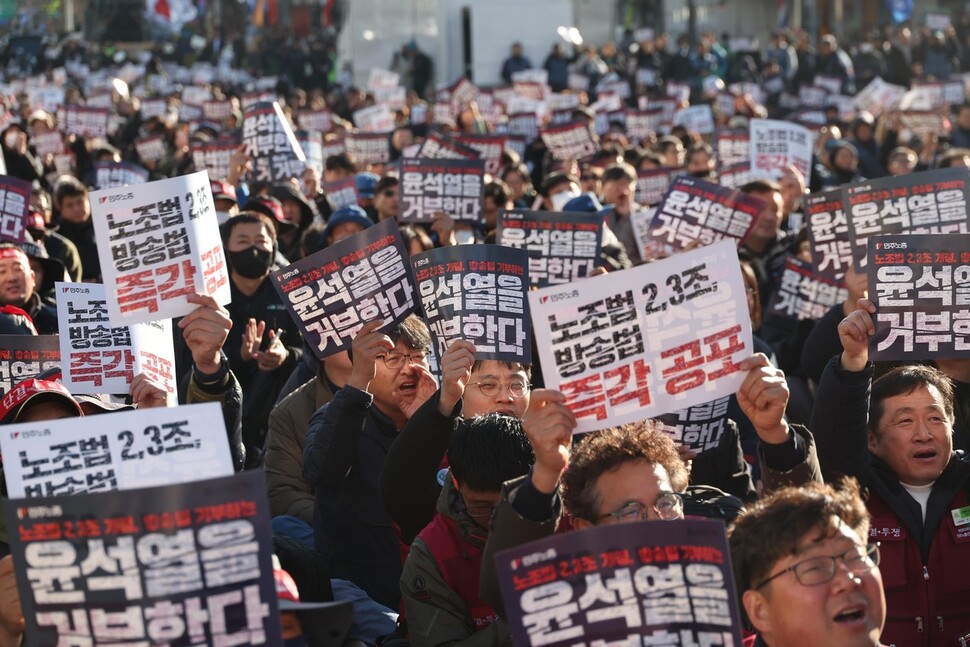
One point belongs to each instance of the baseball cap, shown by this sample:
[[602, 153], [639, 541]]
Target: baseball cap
[[222, 190], [350, 213], [366, 184], [32, 392]]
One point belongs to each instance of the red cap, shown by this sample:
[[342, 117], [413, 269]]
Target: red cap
[[30, 391], [222, 190]]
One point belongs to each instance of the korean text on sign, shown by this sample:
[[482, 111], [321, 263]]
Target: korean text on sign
[[270, 142], [477, 293], [803, 293], [158, 243], [430, 186], [645, 341], [24, 356], [331, 294], [14, 204], [828, 234], [562, 246]]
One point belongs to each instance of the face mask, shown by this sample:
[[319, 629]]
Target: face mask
[[223, 216], [11, 139], [251, 263]]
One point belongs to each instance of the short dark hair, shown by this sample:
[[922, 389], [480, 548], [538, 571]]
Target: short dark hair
[[555, 179], [603, 451], [386, 182], [622, 171], [761, 186], [413, 332], [486, 451], [512, 366], [773, 527], [499, 192], [903, 380], [68, 186], [245, 217], [340, 162]]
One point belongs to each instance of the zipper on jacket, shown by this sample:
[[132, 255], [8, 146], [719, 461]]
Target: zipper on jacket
[[926, 573], [919, 624], [939, 619]]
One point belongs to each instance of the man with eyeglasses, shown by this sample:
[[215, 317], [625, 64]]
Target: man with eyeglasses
[[344, 451], [439, 583], [804, 572]]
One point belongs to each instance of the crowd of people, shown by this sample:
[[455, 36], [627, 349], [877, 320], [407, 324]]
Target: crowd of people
[[405, 486]]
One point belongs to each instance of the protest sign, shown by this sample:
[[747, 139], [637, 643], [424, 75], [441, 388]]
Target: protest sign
[[332, 293], [341, 193], [214, 157], [311, 143], [646, 244], [645, 583], [524, 124], [382, 79], [643, 123], [108, 175], [878, 97], [562, 246], [937, 20], [695, 210], [653, 184], [154, 108], [699, 119], [320, 121], [14, 205], [158, 243], [925, 125], [368, 148], [150, 149], [439, 146], [698, 428], [920, 284], [50, 143], [731, 147], [395, 98], [578, 82], [570, 141], [270, 142], [100, 358], [175, 565], [332, 145], [123, 450], [79, 120], [932, 202], [778, 145], [477, 293], [24, 356], [429, 186], [804, 294], [828, 234], [812, 96], [735, 175], [489, 148], [831, 84], [217, 111], [374, 119], [645, 341]]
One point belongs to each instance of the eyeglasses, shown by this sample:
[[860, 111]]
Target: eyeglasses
[[490, 388], [819, 570], [395, 361], [669, 506], [477, 511]]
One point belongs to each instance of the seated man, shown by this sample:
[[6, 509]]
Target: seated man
[[439, 583], [344, 450], [18, 287], [803, 570]]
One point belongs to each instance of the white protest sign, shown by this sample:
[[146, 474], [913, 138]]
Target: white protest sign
[[645, 341], [374, 119], [699, 119], [99, 358], [381, 79], [158, 243], [123, 450], [878, 97], [778, 145]]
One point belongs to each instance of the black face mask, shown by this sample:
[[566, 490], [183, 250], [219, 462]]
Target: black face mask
[[251, 263]]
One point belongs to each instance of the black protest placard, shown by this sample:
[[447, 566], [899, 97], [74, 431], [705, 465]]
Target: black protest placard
[[732, 147], [932, 202], [653, 184], [341, 193], [525, 125], [698, 428], [920, 284], [24, 356], [649, 583], [643, 123], [477, 293], [695, 210], [109, 175], [217, 111], [214, 157], [736, 175], [439, 146], [368, 148], [489, 147], [802, 293], [570, 141], [80, 120], [14, 205], [562, 246], [320, 121], [828, 234], [451, 186], [270, 142], [179, 565], [332, 293], [150, 149]]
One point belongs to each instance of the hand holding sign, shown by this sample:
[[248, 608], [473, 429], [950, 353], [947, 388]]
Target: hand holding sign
[[456, 370], [11, 617], [147, 393], [369, 344], [854, 333], [205, 330], [549, 424], [763, 397]]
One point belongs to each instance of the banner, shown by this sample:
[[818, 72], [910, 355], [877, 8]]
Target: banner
[[694, 210], [489, 148], [14, 205], [920, 284], [24, 356], [178, 565], [439, 146], [214, 158], [99, 358], [270, 142], [477, 293], [828, 234], [341, 193], [646, 583], [78, 120], [778, 145], [368, 148], [563, 246], [109, 175], [450, 186], [158, 243], [645, 341], [332, 293], [698, 428], [932, 202], [804, 294], [571, 141], [653, 184]]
